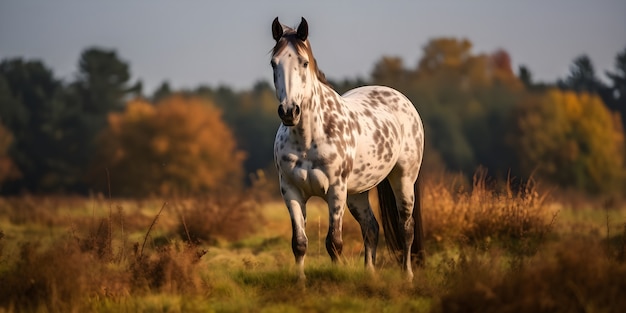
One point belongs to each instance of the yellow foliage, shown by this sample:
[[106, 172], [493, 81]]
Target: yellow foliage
[[571, 138], [178, 146]]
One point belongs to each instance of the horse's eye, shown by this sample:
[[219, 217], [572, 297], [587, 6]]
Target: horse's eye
[[273, 64], [306, 64]]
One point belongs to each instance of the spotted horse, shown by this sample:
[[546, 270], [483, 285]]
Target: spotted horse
[[341, 147]]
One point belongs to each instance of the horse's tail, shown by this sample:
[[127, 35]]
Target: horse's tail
[[394, 234]]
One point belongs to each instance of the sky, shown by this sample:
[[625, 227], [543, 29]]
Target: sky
[[193, 42]]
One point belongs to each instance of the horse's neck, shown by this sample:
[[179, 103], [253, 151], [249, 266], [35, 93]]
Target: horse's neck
[[311, 127]]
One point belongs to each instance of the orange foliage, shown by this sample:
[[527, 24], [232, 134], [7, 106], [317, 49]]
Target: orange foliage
[[8, 170], [178, 146], [502, 70]]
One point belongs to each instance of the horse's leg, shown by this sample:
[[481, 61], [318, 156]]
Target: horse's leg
[[360, 208], [336, 200], [296, 204], [402, 186]]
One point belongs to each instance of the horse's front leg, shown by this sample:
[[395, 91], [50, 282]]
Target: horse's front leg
[[296, 204], [336, 200]]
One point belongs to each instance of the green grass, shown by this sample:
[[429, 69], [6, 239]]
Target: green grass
[[45, 265]]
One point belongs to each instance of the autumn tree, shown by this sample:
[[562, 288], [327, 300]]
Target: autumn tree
[[251, 115], [179, 146], [465, 100], [8, 169], [444, 53], [570, 139], [501, 70]]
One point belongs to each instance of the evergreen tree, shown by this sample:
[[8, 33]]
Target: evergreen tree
[[34, 110]]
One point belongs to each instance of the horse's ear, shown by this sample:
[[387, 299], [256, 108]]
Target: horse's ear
[[303, 30], [277, 29]]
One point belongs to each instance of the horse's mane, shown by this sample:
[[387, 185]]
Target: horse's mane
[[290, 37]]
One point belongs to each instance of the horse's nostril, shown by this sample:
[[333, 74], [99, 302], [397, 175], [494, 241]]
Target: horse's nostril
[[288, 114]]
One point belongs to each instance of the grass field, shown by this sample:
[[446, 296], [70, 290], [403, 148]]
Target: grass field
[[486, 252]]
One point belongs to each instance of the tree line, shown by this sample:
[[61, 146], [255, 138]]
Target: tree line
[[102, 133]]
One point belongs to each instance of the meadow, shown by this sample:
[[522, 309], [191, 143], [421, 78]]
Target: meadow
[[489, 249]]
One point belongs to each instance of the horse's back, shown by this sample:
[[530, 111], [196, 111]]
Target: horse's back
[[391, 133], [382, 100]]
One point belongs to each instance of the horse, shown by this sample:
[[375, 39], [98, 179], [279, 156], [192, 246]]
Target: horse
[[339, 148]]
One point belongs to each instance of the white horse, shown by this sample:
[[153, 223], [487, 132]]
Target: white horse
[[339, 147]]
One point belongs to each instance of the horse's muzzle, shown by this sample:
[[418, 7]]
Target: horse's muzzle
[[290, 116]]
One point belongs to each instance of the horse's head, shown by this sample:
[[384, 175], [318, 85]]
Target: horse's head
[[294, 70]]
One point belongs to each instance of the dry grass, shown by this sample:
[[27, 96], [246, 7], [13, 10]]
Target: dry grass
[[106, 256], [571, 276], [488, 250], [482, 214]]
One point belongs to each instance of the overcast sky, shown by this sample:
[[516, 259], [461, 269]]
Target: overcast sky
[[189, 43]]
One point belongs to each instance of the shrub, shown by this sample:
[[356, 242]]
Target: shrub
[[59, 278], [229, 215], [171, 269]]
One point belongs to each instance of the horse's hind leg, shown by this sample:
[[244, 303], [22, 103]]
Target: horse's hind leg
[[360, 208], [403, 189]]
